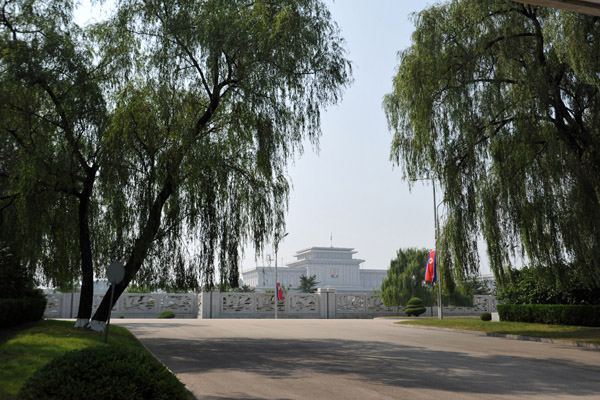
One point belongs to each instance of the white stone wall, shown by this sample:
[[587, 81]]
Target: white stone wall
[[129, 305], [326, 303]]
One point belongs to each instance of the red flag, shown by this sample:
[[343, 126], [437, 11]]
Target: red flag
[[430, 270], [279, 292]]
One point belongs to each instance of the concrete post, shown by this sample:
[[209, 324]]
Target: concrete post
[[206, 309], [331, 303], [200, 304], [215, 303], [326, 303], [322, 293]]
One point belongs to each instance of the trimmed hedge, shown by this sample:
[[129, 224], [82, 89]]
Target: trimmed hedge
[[18, 311], [104, 372], [485, 316], [556, 314], [166, 314], [414, 307]]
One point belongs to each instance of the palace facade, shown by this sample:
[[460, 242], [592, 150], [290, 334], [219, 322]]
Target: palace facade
[[335, 268]]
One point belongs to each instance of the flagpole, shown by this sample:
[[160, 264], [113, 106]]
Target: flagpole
[[277, 240], [439, 275], [436, 236], [276, 285]]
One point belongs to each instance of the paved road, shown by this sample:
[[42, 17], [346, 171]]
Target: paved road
[[362, 359]]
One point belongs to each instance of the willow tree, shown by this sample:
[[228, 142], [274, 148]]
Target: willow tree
[[500, 102], [52, 120], [213, 100], [406, 279]]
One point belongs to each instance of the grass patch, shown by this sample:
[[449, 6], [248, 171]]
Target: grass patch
[[562, 332], [28, 349], [422, 317]]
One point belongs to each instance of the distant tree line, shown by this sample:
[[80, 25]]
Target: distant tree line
[[406, 279]]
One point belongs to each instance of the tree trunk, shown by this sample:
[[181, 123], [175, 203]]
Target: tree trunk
[[86, 298], [138, 254], [148, 233]]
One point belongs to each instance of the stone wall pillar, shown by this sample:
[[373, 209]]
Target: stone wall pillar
[[215, 303], [326, 303], [209, 306]]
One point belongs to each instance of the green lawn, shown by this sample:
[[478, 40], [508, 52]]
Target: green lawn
[[563, 332], [24, 350]]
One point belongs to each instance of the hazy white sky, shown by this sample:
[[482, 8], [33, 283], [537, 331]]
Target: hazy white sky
[[351, 189]]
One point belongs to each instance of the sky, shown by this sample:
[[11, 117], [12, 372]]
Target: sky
[[348, 193]]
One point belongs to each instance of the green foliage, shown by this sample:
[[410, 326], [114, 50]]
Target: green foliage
[[564, 332], [500, 102], [209, 146], [582, 315], [405, 278], [485, 316], [104, 372], [414, 307], [245, 288], [18, 311], [166, 314], [225, 287], [19, 300], [15, 280], [135, 288], [28, 349], [548, 285], [308, 284], [457, 299], [478, 287], [54, 114], [165, 130]]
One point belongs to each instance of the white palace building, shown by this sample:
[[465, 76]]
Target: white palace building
[[334, 268]]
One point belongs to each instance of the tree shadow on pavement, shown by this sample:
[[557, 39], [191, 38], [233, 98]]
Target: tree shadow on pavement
[[380, 363]]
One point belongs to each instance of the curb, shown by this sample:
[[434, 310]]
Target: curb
[[585, 345]]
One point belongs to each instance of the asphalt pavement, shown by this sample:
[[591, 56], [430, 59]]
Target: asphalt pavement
[[361, 359]]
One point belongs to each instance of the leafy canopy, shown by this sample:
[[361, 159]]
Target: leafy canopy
[[500, 101], [405, 278], [52, 116], [222, 96], [308, 284]]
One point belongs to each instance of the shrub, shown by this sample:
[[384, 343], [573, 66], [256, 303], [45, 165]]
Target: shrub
[[555, 284], [485, 316], [18, 311], [166, 314], [16, 281], [104, 372], [582, 315], [414, 307]]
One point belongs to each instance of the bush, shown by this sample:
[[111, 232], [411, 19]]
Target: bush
[[414, 307], [104, 372], [16, 281], [166, 314], [18, 311], [486, 316], [558, 314], [557, 284]]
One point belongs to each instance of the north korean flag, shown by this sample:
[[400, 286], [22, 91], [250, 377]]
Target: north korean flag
[[279, 292], [430, 270]]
